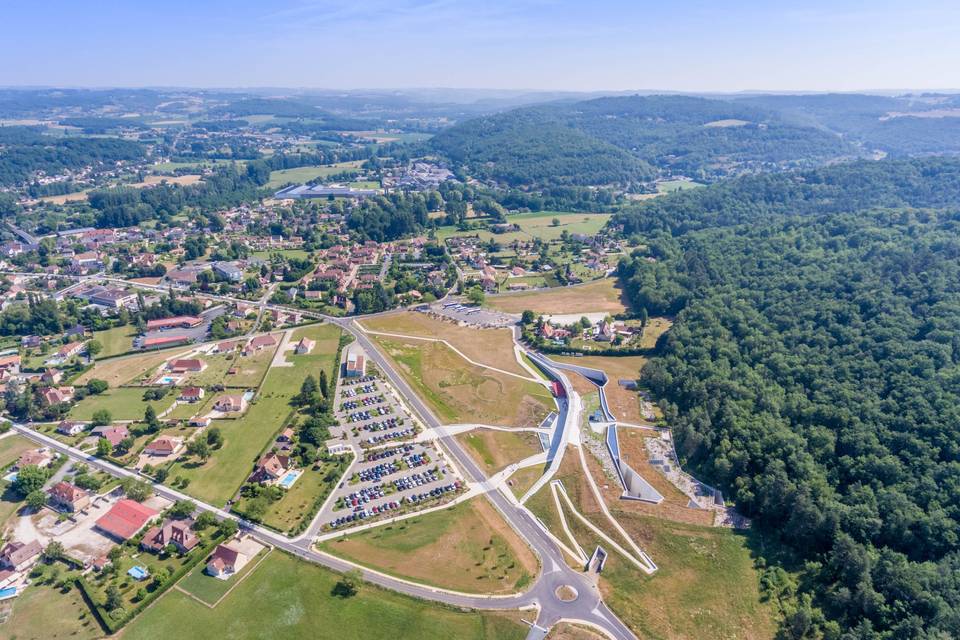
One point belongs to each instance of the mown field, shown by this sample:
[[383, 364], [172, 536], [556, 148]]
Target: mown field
[[593, 297], [493, 450], [492, 347], [44, 613], [301, 175], [123, 403], [459, 392], [288, 599], [115, 341], [125, 369], [537, 225], [467, 547]]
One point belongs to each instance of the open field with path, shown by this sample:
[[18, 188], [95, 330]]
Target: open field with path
[[460, 392], [467, 547], [493, 450], [287, 599], [492, 347], [305, 174]]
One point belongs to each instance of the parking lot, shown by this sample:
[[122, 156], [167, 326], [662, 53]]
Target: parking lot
[[472, 314], [392, 474]]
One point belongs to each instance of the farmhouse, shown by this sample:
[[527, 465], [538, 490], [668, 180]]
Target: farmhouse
[[125, 519], [175, 532], [230, 402], [67, 497]]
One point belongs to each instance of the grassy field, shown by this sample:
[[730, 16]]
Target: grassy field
[[218, 479], [299, 254], [601, 295], [537, 225], [125, 369], [306, 174], [125, 403], [568, 631], [460, 392], [12, 446], [43, 613], [523, 479], [707, 586], [116, 340], [467, 547], [292, 600], [492, 347], [210, 589], [287, 512], [669, 186], [493, 450]]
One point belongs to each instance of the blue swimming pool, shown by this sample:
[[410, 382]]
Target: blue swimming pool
[[288, 479], [138, 573], [11, 477]]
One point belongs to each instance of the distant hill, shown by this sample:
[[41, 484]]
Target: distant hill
[[621, 139]]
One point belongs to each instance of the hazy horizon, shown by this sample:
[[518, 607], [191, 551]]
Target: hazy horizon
[[527, 45]]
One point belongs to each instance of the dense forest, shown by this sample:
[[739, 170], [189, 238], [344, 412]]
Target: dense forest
[[620, 140], [813, 374], [25, 151]]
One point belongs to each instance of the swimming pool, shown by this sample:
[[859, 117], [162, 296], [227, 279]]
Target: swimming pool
[[167, 380], [11, 477], [288, 479]]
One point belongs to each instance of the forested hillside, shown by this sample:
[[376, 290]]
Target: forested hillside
[[618, 140], [814, 373]]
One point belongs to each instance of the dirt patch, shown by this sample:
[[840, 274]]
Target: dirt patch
[[624, 403], [492, 347], [567, 631]]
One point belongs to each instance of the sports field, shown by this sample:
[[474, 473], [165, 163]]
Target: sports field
[[592, 297], [493, 450], [492, 347], [467, 547], [291, 600], [459, 392]]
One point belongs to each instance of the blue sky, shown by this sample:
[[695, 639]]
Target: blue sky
[[681, 45]]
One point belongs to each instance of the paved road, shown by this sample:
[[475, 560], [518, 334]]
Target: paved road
[[588, 606]]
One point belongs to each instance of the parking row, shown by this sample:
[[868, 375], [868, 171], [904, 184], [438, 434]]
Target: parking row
[[386, 437], [368, 401], [361, 511]]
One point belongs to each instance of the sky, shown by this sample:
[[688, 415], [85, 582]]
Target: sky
[[579, 45]]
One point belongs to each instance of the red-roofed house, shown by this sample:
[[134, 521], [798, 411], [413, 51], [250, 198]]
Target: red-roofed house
[[259, 342], [163, 446], [304, 346], [270, 467], [35, 458], [191, 394], [113, 434], [226, 560], [184, 365], [125, 519]]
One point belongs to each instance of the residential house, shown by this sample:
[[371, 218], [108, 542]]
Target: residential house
[[186, 365], [176, 532], [270, 468], [70, 349], [231, 403], [191, 394], [10, 364], [114, 435], [259, 342], [226, 560], [17, 556], [304, 346], [68, 497], [163, 446], [51, 376], [41, 457], [71, 428], [57, 395]]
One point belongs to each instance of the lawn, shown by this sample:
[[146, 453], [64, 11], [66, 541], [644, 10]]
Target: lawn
[[115, 341], [669, 186], [459, 392], [124, 403], [219, 478], [537, 225], [492, 347], [593, 297], [12, 446], [467, 547], [302, 175], [522, 479], [493, 450], [210, 589], [299, 254], [297, 501], [292, 600], [124, 369], [43, 613]]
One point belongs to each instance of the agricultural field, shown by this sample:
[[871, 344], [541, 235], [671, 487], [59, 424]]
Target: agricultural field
[[492, 347], [292, 600], [467, 547], [219, 478], [125, 369], [669, 186], [459, 392], [302, 175], [493, 450], [592, 297], [123, 403]]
